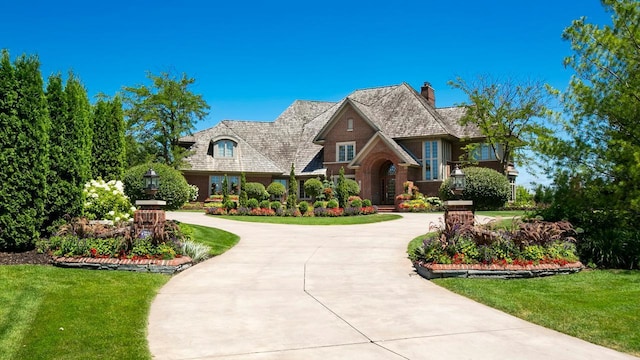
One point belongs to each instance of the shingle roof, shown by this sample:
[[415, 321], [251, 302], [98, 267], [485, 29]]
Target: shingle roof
[[397, 112]]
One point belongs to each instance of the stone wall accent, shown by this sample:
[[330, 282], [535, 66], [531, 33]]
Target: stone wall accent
[[437, 271], [144, 265]]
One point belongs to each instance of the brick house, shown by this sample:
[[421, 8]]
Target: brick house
[[382, 137]]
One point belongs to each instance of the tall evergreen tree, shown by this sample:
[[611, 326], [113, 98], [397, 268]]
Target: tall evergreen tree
[[108, 152], [342, 191], [243, 198], [24, 127], [56, 205], [292, 199], [79, 120]]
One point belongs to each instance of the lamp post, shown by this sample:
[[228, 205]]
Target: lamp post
[[150, 215], [459, 181], [151, 182], [458, 211]]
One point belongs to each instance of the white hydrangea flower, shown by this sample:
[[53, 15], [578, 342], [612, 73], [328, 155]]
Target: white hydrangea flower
[[112, 212], [133, 208], [93, 195]]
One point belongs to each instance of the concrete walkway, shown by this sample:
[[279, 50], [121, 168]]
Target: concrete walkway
[[334, 292]]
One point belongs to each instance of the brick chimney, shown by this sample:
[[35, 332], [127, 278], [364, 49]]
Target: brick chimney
[[428, 93]]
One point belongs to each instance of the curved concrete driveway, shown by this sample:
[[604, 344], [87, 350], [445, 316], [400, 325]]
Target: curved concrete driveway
[[334, 292]]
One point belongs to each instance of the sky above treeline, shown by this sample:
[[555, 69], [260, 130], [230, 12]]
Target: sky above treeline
[[252, 59]]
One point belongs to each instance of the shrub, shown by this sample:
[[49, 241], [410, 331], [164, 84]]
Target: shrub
[[243, 198], [193, 192], [342, 192], [265, 204], [366, 202], [487, 188], [332, 204], [352, 187], [356, 203], [196, 251], [303, 206], [313, 187], [252, 203], [276, 189], [173, 187], [107, 201], [275, 205], [229, 205], [256, 190], [319, 204]]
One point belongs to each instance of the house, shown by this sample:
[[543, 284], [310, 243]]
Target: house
[[382, 137]]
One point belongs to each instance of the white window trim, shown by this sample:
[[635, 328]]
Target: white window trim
[[345, 144], [350, 124]]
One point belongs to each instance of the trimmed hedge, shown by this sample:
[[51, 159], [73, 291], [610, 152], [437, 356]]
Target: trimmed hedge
[[276, 189], [256, 190], [488, 188], [173, 186]]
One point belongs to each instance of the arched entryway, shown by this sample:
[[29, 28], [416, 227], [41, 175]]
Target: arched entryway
[[387, 183]]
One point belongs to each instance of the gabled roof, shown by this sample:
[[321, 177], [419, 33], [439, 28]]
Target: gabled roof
[[400, 112], [405, 158], [394, 112]]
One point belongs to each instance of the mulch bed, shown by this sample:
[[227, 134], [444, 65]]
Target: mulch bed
[[31, 257]]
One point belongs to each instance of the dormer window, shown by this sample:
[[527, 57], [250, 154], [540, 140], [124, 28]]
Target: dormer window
[[225, 149], [350, 124]]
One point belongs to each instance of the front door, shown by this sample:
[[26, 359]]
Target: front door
[[388, 184]]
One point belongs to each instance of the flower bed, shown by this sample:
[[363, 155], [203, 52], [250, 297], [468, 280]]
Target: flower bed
[[534, 248], [319, 209], [105, 246]]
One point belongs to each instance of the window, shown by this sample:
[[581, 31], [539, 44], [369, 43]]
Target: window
[[216, 184], [484, 152], [431, 160], [225, 149], [301, 193], [436, 153], [345, 151], [281, 181], [349, 124]]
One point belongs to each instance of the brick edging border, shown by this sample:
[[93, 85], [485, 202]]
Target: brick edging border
[[436, 271], [145, 265]]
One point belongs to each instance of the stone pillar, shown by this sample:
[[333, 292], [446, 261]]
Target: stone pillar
[[458, 212], [150, 218]]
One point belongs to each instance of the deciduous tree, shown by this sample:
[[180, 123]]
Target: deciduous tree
[[509, 113], [159, 114]]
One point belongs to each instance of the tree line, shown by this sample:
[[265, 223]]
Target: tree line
[[53, 141]]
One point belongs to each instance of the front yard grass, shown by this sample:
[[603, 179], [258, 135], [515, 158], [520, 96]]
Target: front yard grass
[[50, 312], [597, 306], [340, 220], [219, 240]]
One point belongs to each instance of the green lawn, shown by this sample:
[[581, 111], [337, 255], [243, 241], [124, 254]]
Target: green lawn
[[601, 306], [502, 213], [50, 312], [341, 220], [55, 313], [219, 240]]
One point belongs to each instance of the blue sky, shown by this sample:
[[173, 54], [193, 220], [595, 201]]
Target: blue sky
[[251, 59]]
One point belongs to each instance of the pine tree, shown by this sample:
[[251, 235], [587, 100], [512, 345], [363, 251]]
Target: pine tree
[[292, 200], [24, 127], [108, 152]]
